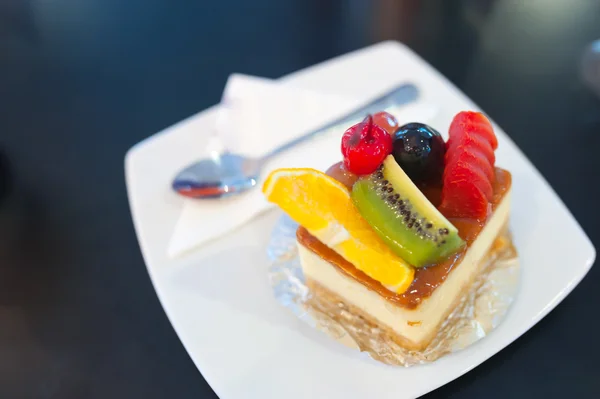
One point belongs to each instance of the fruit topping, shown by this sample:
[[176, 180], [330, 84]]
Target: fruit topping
[[339, 172], [462, 138], [386, 121], [475, 157], [464, 200], [324, 207], [403, 217], [476, 124], [469, 172], [365, 146], [474, 175], [419, 150]]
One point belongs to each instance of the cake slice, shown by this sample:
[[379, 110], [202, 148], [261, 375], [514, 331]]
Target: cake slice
[[398, 232], [411, 319]]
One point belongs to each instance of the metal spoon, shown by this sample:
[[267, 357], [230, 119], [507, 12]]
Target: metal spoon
[[227, 174]]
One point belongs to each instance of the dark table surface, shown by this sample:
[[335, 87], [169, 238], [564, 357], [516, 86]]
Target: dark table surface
[[83, 80]]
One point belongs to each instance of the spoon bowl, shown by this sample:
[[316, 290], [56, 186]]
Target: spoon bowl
[[222, 175]]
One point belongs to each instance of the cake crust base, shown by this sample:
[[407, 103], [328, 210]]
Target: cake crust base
[[321, 293]]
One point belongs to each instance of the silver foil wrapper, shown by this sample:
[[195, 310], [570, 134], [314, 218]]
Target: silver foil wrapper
[[479, 311]]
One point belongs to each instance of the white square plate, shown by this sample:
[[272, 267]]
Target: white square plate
[[220, 303]]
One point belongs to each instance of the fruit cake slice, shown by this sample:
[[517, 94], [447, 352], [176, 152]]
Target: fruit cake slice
[[399, 231]]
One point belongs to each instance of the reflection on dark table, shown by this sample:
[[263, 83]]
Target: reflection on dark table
[[83, 80]]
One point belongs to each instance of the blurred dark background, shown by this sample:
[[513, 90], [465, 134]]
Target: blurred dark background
[[83, 80]]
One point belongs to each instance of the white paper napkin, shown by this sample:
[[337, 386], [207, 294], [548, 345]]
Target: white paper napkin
[[255, 116]]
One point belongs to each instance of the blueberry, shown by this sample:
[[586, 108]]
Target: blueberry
[[419, 150]]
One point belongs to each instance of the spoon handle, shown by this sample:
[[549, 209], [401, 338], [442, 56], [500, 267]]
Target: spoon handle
[[400, 95]]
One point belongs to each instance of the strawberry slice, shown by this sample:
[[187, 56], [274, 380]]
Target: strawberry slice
[[470, 141], [462, 199], [475, 157], [474, 123], [461, 170], [469, 171]]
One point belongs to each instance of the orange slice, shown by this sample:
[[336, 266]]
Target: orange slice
[[324, 207]]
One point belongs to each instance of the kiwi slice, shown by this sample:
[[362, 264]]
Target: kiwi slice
[[403, 217]]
